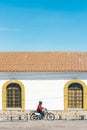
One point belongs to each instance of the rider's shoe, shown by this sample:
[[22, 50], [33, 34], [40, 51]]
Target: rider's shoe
[[40, 118]]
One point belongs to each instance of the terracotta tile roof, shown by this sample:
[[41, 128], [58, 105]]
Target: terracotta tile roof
[[43, 61]]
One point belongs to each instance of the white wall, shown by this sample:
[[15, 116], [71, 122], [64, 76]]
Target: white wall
[[48, 87], [50, 92]]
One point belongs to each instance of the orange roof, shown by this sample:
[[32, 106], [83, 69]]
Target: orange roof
[[43, 61]]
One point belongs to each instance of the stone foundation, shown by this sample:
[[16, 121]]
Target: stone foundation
[[59, 114]]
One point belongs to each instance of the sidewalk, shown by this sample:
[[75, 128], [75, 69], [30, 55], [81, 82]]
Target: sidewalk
[[45, 125]]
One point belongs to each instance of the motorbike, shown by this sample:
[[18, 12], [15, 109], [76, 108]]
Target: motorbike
[[34, 115]]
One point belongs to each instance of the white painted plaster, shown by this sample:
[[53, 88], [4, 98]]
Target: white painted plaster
[[48, 87]]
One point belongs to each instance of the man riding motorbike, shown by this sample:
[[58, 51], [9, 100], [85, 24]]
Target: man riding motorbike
[[41, 112], [40, 109]]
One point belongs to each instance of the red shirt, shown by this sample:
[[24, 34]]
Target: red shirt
[[39, 107]]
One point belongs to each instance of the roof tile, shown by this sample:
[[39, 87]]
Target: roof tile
[[43, 61]]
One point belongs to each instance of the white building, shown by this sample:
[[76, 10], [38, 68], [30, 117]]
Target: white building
[[59, 79]]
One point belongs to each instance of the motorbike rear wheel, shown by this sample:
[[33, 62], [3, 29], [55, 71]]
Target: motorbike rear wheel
[[50, 116], [33, 117]]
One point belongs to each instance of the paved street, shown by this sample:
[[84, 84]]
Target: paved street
[[45, 125]]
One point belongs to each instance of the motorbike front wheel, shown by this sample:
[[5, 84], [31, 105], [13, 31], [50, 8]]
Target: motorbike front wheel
[[50, 116]]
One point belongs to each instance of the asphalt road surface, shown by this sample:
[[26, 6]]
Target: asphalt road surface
[[45, 125]]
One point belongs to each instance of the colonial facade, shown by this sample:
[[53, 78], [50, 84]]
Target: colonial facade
[[59, 79]]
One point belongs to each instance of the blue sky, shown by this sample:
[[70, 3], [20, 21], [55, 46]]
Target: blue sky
[[43, 25]]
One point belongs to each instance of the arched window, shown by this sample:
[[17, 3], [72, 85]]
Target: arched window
[[13, 96], [75, 95]]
